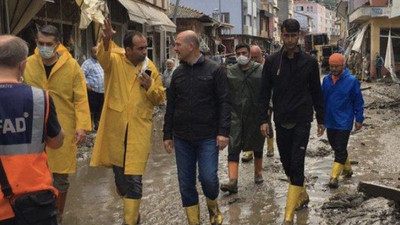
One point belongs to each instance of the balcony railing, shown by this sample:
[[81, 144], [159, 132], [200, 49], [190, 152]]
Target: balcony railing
[[365, 13]]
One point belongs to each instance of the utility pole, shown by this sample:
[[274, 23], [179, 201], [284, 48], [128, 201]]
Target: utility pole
[[220, 13], [171, 37]]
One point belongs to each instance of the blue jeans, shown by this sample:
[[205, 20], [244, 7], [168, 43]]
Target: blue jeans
[[205, 153]]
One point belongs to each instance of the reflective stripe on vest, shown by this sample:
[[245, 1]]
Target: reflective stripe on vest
[[37, 143]]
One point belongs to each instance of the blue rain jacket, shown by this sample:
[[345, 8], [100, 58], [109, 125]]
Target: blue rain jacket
[[343, 101]]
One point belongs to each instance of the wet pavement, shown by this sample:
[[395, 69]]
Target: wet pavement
[[374, 152]]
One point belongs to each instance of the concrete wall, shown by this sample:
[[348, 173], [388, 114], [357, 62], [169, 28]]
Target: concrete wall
[[303, 20], [234, 7], [283, 10]]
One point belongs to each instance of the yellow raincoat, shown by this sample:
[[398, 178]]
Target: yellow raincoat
[[67, 87], [127, 109]]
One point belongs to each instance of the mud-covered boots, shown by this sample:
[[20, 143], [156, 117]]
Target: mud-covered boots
[[304, 199], [215, 214], [270, 147], [231, 186], [247, 156], [131, 211], [291, 203], [193, 214], [233, 173], [347, 171], [336, 171]]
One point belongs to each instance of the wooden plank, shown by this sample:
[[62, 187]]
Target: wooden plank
[[376, 190]]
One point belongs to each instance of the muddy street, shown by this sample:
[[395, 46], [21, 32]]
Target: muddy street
[[374, 152]]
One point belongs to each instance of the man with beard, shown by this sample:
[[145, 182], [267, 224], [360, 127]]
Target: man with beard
[[293, 77], [343, 103], [133, 88]]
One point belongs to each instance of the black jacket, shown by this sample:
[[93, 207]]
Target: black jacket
[[296, 87], [198, 102]]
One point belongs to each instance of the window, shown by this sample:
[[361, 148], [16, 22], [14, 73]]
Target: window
[[225, 17], [395, 43], [299, 8], [308, 8], [311, 9], [150, 47]]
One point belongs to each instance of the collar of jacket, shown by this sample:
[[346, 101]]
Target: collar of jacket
[[346, 73], [200, 61], [296, 54], [253, 66]]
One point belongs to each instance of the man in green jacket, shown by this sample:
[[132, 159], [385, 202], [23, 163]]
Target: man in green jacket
[[244, 84]]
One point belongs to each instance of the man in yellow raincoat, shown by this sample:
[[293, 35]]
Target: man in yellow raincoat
[[53, 68], [133, 87]]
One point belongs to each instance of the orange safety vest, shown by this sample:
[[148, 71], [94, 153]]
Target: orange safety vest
[[23, 117]]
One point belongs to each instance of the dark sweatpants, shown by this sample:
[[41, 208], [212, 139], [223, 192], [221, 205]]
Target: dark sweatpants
[[96, 101], [292, 145], [338, 140]]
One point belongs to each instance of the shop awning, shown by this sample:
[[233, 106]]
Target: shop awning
[[20, 13], [135, 12], [144, 14], [359, 38]]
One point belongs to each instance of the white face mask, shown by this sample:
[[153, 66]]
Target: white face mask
[[242, 60], [46, 52]]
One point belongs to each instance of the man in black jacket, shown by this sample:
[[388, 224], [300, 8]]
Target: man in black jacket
[[197, 123], [293, 76]]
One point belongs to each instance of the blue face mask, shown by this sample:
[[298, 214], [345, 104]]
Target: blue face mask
[[46, 52]]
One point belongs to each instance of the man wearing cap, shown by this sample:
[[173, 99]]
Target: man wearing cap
[[343, 103]]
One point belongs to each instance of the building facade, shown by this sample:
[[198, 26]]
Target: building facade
[[324, 19], [375, 19], [245, 15]]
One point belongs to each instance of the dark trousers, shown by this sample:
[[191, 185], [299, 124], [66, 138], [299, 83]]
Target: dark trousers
[[129, 186], [378, 72], [292, 145], [96, 101], [12, 221], [189, 154], [339, 139]]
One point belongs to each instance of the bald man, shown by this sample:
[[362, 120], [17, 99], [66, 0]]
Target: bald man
[[197, 123], [343, 104], [256, 54], [28, 123]]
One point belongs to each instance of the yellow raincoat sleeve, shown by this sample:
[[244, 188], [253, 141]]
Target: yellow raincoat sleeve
[[156, 92], [81, 103], [104, 57]]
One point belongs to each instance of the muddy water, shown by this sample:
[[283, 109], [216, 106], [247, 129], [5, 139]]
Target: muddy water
[[92, 198]]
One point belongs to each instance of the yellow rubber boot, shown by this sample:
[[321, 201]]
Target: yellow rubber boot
[[336, 171], [270, 147], [291, 203], [347, 171], [247, 156], [215, 215], [304, 199], [131, 211], [193, 214]]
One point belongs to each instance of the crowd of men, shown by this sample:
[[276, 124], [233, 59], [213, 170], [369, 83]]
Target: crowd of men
[[48, 102]]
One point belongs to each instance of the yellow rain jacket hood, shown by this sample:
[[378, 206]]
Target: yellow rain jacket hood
[[127, 112], [67, 87]]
